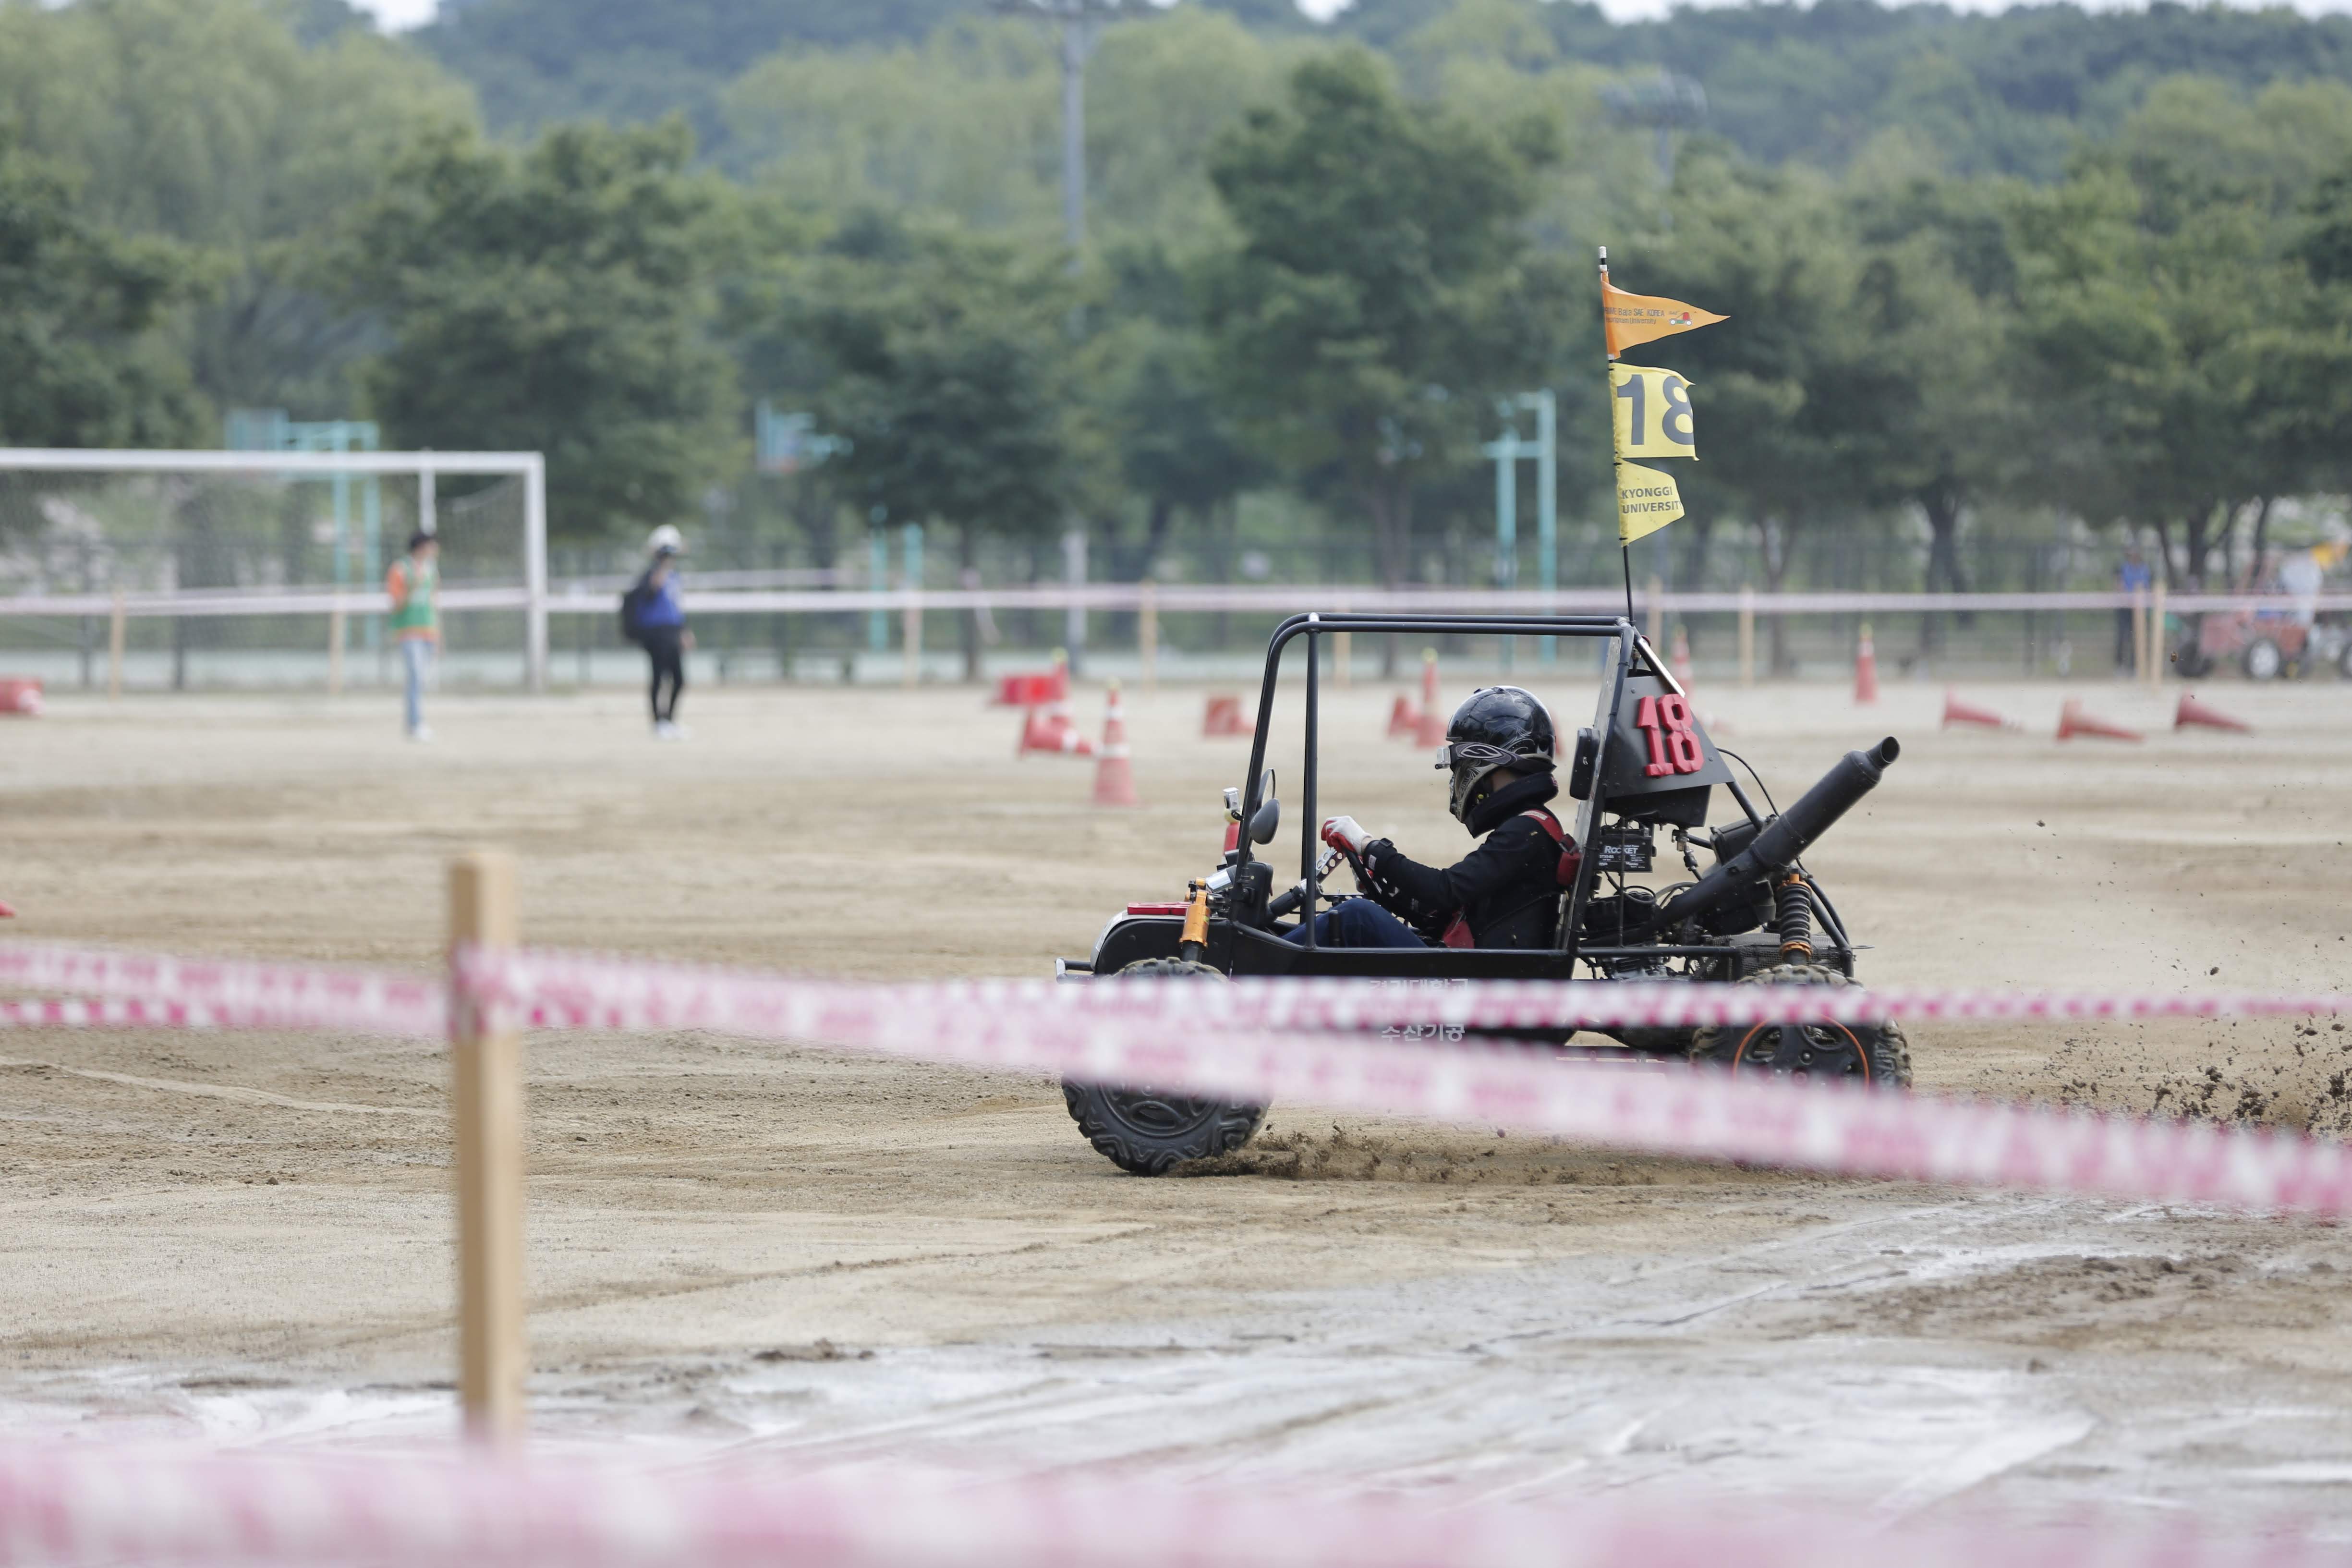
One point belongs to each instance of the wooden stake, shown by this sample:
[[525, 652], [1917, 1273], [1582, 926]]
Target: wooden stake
[[1147, 635], [1343, 658], [486, 1062], [1657, 613], [2139, 631], [117, 627], [1746, 636], [2156, 637], [335, 651]]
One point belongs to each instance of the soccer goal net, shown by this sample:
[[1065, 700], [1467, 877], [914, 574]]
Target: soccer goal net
[[185, 571]]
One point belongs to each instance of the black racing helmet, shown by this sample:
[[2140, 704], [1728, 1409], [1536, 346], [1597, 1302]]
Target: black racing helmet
[[1496, 727]]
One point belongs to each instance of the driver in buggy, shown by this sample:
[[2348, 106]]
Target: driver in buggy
[[1505, 892]]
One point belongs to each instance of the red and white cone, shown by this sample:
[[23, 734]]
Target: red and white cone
[[1404, 719], [1958, 712], [1223, 717], [21, 694], [1866, 671], [1681, 660], [1115, 774], [2074, 721], [1048, 728], [2192, 711], [1431, 732]]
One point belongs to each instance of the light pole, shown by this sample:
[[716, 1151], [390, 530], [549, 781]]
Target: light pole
[[1078, 22], [1506, 451]]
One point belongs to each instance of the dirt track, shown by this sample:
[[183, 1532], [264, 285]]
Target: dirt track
[[250, 1234]]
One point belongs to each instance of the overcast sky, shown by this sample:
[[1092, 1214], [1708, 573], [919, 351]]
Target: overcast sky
[[398, 14]]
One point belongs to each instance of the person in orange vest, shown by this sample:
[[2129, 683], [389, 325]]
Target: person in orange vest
[[416, 623]]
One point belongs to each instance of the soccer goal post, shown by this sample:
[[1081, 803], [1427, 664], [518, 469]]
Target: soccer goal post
[[223, 569]]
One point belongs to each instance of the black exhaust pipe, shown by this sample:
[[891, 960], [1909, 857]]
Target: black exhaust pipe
[[1785, 837]]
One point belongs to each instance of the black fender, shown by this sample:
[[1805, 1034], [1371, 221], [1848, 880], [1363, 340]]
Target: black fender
[[1130, 939]]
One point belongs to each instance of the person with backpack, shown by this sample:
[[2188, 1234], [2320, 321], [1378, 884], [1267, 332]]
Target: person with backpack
[[416, 623], [653, 614], [1499, 751]]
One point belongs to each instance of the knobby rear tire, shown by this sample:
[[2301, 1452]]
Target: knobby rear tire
[[1879, 1053]]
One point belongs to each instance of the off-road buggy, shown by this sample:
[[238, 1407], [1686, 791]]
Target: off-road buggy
[[1644, 764]]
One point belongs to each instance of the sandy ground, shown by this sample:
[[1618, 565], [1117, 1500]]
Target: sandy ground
[[752, 1248]]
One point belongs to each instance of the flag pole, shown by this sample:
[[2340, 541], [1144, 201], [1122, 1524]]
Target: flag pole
[[1616, 458]]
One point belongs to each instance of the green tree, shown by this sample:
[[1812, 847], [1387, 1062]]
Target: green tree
[[1382, 295], [939, 360], [968, 122], [250, 127], [558, 300], [1792, 401], [2161, 304], [537, 62], [2310, 415], [1177, 447], [1944, 431], [83, 359]]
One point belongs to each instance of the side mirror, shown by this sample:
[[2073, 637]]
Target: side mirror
[[1269, 816], [1579, 768]]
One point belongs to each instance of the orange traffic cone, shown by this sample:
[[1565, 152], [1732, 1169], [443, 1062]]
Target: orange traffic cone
[[1866, 671], [7, 913], [1958, 712], [1048, 728], [1682, 659], [1403, 718], [1115, 774], [1431, 732], [2192, 711], [1223, 717], [2074, 721]]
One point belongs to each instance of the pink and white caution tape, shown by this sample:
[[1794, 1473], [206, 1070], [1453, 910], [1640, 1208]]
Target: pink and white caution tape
[[1677, 1110], [584, 991], [116, 1013], [72, 1504], [241, 993], [597, 991], [1290, 1042]]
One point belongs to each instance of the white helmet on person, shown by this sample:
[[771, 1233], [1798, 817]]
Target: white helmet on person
[[666, 540]]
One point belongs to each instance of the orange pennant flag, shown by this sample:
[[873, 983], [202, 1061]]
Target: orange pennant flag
[[1630, 318]]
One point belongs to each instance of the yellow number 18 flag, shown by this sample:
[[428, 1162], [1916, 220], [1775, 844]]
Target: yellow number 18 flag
[[1653, 412]]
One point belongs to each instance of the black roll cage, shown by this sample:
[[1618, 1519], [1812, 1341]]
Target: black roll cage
[[1632, 650]]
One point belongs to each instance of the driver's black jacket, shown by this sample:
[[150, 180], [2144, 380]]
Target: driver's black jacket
[[1507, 891]]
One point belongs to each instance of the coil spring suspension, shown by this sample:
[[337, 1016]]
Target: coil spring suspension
[[1793, 914]]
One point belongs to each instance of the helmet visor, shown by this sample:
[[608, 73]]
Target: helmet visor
[[1471, 762], [1455, 753]]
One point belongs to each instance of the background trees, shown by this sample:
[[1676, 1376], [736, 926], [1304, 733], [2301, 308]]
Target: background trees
[[84, 363], [1381, 297], [558, 300], [935, 357], [2002, 289], [246, 128]]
